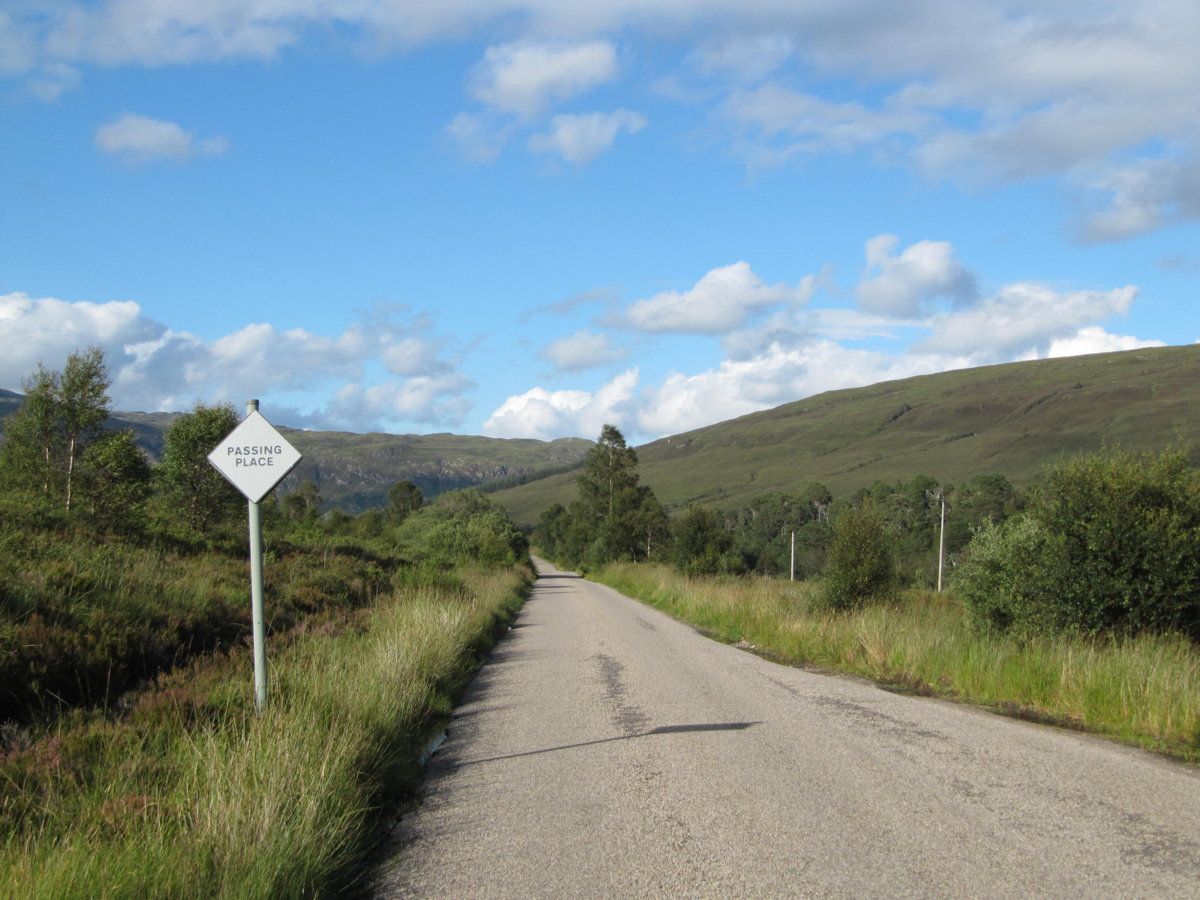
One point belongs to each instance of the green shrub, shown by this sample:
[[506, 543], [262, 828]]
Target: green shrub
[[463, 527], [1009, 578], [1111, 542], [860, 566], [702, 544]]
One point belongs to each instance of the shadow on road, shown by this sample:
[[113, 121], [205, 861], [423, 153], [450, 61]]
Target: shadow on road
[[660, 730]]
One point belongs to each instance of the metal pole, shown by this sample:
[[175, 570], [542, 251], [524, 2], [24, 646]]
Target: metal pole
[[256, 598], [942, 544], [793, 568]]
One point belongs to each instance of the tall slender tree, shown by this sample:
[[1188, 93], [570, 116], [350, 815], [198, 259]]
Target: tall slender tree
[[32, 438], [83, 404], [609, 474], [614, 517]]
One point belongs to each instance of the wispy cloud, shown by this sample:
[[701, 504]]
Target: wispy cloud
[[582, 137], [141, 139], [581, 350], [525, 78]]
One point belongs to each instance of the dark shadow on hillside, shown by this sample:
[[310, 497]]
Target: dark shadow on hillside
[[653, 732]]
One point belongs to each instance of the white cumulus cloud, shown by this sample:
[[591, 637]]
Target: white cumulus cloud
[[580, 138], [141, 139], [1022, 320], [154, 367], [34, 330], [719, 302], [1095, 339], [905, 285], [525, 78], [543, 414]]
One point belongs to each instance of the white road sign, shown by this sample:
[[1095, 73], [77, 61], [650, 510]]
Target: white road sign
[[254, 457]]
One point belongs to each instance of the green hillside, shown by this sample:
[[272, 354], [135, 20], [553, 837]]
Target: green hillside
[[355, 471], [1011, 419]]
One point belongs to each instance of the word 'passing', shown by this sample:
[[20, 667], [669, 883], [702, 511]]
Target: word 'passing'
[[254, 455]]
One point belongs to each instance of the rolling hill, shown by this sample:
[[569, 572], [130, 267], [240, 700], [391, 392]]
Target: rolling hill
[[355, 471], [1011, 419]]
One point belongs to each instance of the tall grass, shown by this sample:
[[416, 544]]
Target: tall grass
[[195, 795], [1143, 690]]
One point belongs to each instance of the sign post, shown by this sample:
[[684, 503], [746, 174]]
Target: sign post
[[255, 457]]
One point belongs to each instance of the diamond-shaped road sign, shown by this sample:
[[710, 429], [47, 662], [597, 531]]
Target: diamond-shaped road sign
[[254, 457]]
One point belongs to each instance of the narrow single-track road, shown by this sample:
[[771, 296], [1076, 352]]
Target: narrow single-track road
[[606, 750]]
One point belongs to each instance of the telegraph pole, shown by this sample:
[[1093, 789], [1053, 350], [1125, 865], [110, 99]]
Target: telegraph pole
[[941, 538], [793, 568]]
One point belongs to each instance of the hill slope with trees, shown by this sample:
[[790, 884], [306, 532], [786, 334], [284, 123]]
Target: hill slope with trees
[[354, 472], [1010, 419]]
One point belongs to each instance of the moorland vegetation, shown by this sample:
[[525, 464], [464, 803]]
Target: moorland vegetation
[[131, 758]]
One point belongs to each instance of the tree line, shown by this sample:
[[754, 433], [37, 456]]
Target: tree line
[[616, 518], [57, 454], [1106, 542]]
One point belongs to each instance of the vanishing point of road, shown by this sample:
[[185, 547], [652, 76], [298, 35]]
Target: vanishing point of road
[[607, 750]]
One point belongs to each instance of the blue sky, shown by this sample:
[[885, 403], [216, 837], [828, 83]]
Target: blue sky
[[528, 218]]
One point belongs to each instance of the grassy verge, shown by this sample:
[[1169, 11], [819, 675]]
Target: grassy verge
[[1144, 690], [191, 794]]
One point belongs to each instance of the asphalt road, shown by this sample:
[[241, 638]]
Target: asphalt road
[[606, 750]]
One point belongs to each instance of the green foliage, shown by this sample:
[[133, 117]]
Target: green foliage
[[613, 518], [191, 487], [82, 405], [1010, 576], [462, 527], [32, 439], [404, 499], [763, 531], [609, 476], [550, 533], [304, 503], [46, 438], [116, 481], [1110, 542], [703, 545], [860, 567]]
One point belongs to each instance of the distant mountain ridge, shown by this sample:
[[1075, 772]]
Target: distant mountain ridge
[[1010, 419], [354, 471]]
